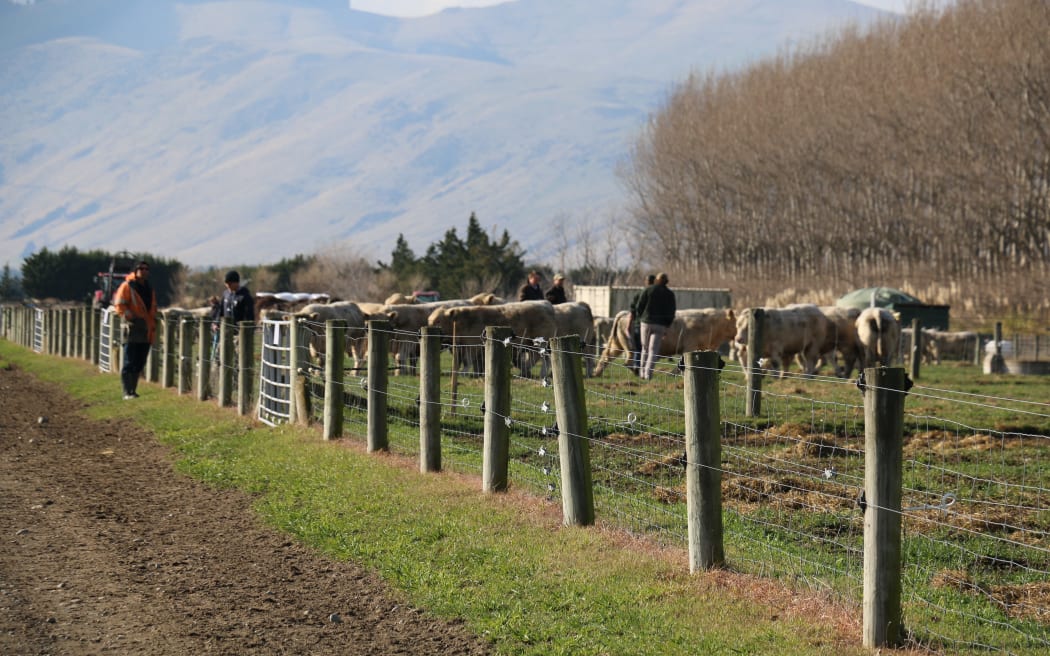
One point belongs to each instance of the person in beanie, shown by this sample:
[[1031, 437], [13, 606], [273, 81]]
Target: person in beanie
[[237, 302], [656, 308], [137, 304]]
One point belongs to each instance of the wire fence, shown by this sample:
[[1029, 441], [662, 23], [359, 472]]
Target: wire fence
[[974, 481]]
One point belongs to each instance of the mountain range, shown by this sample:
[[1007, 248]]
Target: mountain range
[[246, 131]]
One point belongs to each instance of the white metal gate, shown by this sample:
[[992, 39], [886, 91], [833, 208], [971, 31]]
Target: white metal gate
[[275, 373], [38, 330], [104, 345]]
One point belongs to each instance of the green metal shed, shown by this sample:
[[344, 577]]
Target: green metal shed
[[905, 305]]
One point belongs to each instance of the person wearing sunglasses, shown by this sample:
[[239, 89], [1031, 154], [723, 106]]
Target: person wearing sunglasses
[[137, 304]]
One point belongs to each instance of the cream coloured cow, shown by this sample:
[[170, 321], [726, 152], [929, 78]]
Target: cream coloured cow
[[313, 318], [879, 334], [528, 320], [950, 345], [703, 329], [841, 339], [406, 321], [397, 298], [487, 298], [575, 318], [796, 331]]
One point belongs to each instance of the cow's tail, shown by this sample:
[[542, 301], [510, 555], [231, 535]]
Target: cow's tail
[[880, 342], [618, 333]]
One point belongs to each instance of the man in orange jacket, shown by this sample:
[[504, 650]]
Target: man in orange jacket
[[137, 304]]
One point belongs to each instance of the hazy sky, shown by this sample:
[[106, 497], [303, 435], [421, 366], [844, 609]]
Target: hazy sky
[[424, 7]]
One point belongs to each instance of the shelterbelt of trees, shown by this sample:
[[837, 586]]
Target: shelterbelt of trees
[[454, 267], [921, 145]]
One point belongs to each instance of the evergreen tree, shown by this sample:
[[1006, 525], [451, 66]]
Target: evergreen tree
[[70, 275], [455, 266], [403, 262], [10, 289], [286, 269]]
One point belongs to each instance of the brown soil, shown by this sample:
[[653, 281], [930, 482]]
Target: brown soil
[[104, 548]]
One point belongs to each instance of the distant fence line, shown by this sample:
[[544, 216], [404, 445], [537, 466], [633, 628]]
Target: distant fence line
[[716, 454]]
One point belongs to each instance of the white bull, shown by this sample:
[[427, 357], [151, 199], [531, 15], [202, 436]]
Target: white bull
[[703, 329], [795, 331], [879, 333], [316, 314]]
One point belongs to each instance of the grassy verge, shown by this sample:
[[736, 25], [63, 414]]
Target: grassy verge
[[502, 562]]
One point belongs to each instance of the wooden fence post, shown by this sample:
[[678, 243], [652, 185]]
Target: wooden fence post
[[916, 347], [225, 377], [883, 460], [167, 360], [245, 358], [756, 341], [335, 353], [378, 375], [85, 332], [96, 336], [50, 332], [495, 455], [299, 395], [69, 339], [703, 447], [430, 399], [570, 403], [116, 353], [185, 355], [203, 358], [994, 363]]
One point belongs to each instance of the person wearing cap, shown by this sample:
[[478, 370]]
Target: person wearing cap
[[556, 294], [237, 302], [656, 307], [531, 291], [137, 305]]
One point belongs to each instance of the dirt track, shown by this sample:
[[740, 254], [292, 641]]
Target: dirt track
[[105, 549]]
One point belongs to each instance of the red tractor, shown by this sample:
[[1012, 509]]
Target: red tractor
[[107, 282]]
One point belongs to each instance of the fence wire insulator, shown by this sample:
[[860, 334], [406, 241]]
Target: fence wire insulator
[[861, 384]]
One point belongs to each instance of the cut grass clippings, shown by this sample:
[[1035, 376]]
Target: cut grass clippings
[[503, 562]]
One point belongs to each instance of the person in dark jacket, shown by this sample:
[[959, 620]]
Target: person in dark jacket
[[656, 308], [531, 291], [635, 328], [237, 302], [137, 305], [556, 294]]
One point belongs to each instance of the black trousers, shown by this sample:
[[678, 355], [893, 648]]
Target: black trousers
[[134, 359]]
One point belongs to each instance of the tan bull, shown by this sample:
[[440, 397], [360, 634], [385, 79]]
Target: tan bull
[[528, 320], [703, 329]]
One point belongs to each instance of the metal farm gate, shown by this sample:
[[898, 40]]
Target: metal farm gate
[[104, 342], [38, 330], [275, 373]]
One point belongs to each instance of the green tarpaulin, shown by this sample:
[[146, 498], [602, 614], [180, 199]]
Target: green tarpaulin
[[886, 297]]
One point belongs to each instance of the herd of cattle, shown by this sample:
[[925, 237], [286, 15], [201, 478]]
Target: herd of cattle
[[813, 336]]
